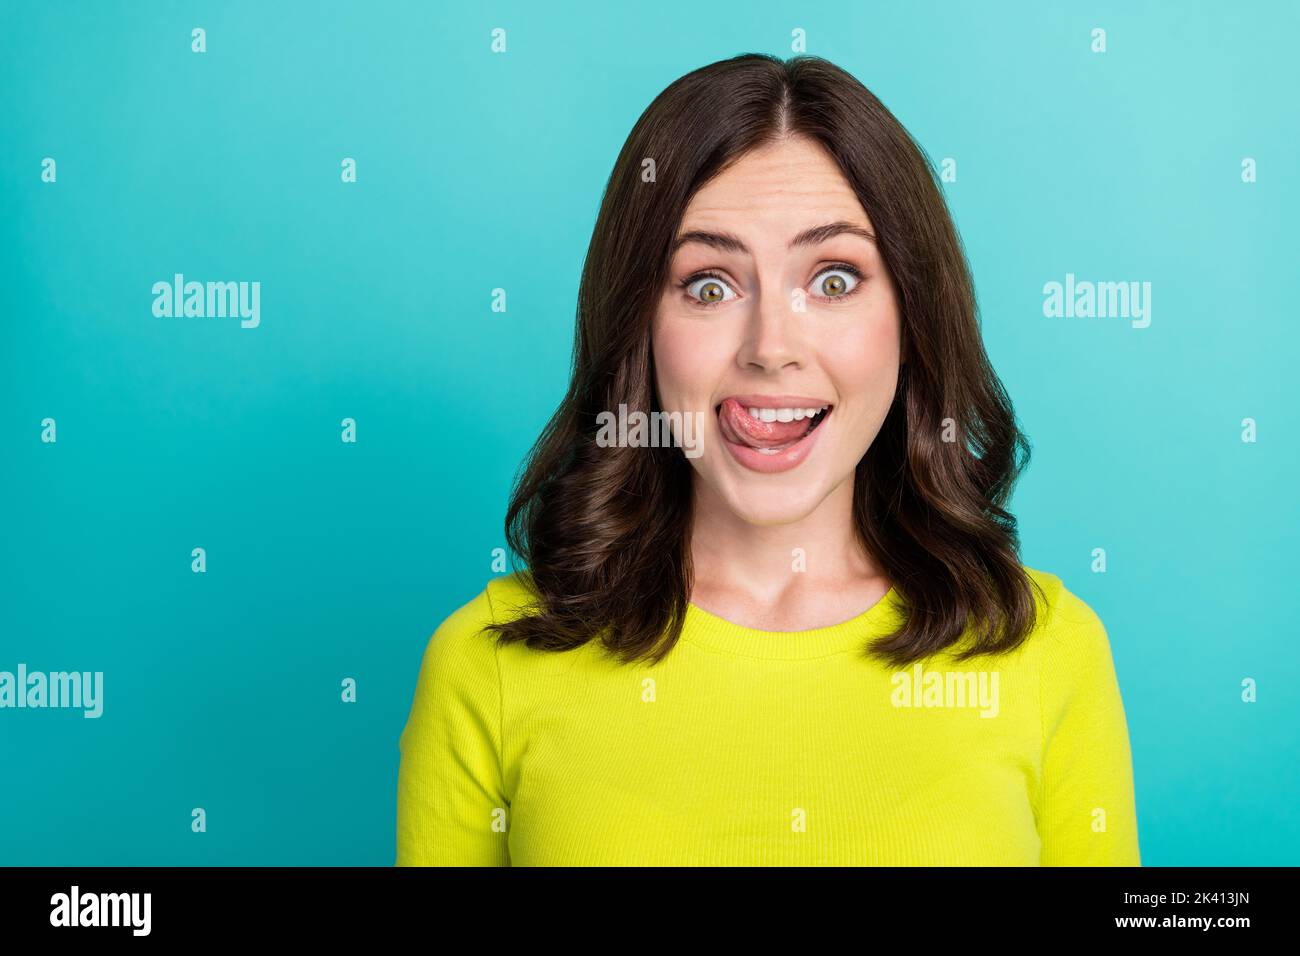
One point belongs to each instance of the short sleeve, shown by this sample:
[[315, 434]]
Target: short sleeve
[[1087, 814], [451, 805]]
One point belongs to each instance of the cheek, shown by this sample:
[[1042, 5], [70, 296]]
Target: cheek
[[863, 360], [688, 363], [867, 354]]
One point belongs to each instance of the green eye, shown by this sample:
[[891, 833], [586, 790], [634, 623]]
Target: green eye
[[708, 289], [836, 284], [711, 292]]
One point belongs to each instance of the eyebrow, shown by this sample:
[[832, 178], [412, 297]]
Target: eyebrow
[[727, 242]]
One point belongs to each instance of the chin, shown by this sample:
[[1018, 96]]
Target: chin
[[774, 506]]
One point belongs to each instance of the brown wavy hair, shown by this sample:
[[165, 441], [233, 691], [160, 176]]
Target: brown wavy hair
[[605, 532]]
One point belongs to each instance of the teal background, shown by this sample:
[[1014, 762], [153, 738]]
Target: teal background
[[328, 560]]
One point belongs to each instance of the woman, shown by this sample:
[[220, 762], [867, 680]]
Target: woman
[[806, 638]]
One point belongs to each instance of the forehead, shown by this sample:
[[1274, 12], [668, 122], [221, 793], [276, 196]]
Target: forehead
[[790, 181]]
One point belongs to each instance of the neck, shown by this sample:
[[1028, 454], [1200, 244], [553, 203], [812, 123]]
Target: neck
[[767, 564]]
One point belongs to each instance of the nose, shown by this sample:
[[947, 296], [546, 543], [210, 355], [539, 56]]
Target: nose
[[773, 337]]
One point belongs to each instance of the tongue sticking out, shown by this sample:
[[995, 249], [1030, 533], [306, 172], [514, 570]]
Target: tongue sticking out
[[738, 426]]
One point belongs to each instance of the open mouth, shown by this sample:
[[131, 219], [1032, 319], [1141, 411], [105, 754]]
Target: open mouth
[[768, 431]]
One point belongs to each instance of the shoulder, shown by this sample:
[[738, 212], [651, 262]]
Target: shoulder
[[460, 670], [1063, 618], [1073, 647], [1083, 802], [465, 631], [511, 596]]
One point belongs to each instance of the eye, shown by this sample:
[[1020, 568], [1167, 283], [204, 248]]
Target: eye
[[837, 282], [707, 288]]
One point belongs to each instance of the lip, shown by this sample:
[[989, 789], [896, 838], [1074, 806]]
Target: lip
[[787, 458], [775, 401]]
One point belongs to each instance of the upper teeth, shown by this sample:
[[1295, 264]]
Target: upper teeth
[[784, 414]]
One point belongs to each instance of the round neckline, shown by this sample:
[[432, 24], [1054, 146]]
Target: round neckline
[[706, 629]]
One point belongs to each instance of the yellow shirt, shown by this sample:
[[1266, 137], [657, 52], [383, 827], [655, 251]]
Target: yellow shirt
[[749, 747]]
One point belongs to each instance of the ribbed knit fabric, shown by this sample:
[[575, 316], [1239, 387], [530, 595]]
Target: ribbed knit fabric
[[749, 747]]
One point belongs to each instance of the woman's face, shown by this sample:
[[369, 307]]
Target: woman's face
[[778, 305]]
